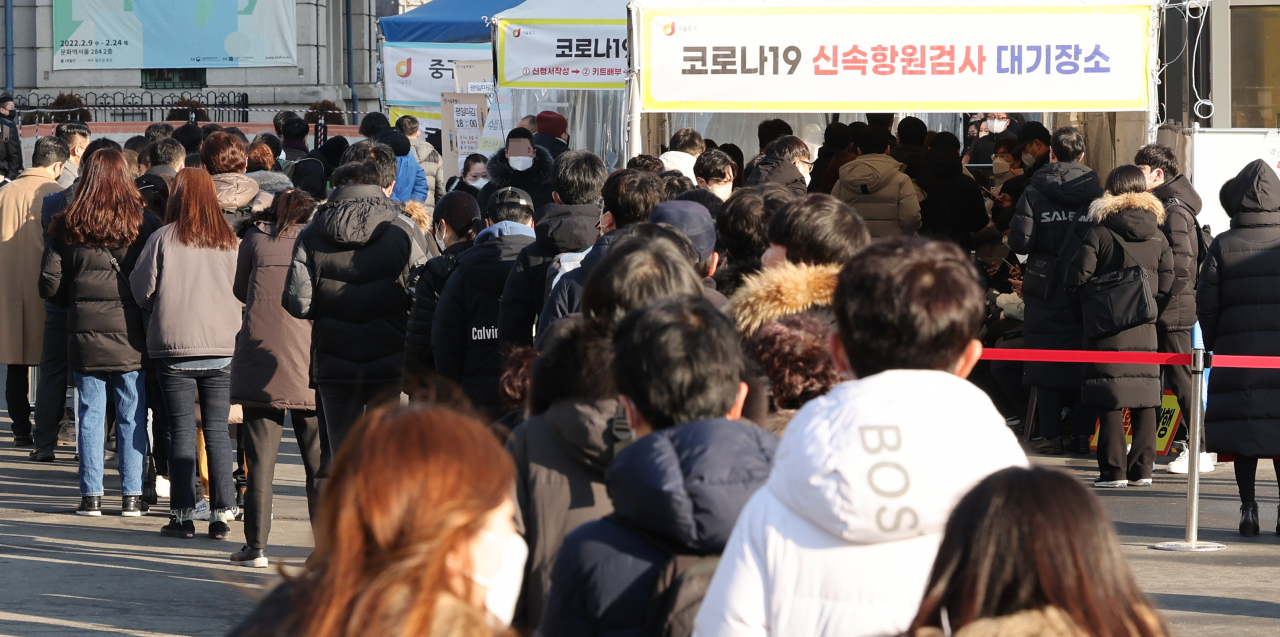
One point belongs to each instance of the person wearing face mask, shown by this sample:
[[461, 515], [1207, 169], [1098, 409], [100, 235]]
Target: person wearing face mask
[[10, 141], [999, 127], [475, 175], [522, 164], [715, 172], [1035, 140], [786, 162], [454, 229], [449, 565]]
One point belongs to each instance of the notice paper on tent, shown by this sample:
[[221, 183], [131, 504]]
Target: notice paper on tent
[[563, 53], [860, 57], [463, 121], [417, 74]]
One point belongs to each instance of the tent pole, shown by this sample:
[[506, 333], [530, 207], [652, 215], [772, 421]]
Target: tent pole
[[634, 141]]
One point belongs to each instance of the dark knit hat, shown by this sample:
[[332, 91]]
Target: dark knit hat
[[1032, 131], [552, 123]]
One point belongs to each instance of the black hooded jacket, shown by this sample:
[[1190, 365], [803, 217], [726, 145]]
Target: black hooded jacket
[[312, 177], [1055, 196], [1014, 188], [536, 180], [559, 229], [464, 333], [773, 169], [154, 186], [10, 149], [1181, 205], [354, 268], [1134, 218], [966, 211], [418, 356], [1238, 302]]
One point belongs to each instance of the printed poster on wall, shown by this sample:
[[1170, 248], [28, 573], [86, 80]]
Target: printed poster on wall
[[1096, 57], [555, 53], [154, 34], [416, 74]]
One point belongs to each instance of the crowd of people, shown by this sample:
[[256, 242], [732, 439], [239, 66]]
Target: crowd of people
[[702, 394]]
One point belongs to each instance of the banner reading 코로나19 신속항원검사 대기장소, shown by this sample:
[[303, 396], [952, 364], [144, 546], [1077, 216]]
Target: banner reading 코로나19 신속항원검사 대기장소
[[875, 57], [145, 34]]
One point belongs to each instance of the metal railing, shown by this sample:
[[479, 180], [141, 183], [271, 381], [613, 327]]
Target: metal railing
[[140, 106]]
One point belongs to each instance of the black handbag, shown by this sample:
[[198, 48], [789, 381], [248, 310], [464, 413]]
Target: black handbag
[[1037, 275], [1117, 301]]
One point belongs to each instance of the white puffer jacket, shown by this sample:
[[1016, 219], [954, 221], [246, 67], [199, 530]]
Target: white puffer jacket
[[841, 540]]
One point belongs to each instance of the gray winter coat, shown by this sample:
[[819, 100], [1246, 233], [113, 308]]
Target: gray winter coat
[[560, 456], [188, 291]]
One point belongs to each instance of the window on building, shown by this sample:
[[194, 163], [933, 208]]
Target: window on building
[[1255, 66], [173, 78]]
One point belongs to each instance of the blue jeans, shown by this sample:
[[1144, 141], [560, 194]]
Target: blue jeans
[[131, 437], [179, 387]]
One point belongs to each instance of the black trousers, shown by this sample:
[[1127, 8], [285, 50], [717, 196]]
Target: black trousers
[[261, 433], [1049, 404], [1113, 462], [17, 389], [51, 393], [1178, 377], [343, 405], [159, 422], [1247, 476]]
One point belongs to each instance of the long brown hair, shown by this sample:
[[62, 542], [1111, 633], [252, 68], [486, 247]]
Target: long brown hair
[[107, 209], [409, 491], [1027, 539], [198, 220]]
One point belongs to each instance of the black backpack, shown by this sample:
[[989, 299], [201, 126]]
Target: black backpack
[[677, 593]]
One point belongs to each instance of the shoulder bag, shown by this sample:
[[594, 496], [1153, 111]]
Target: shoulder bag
[[1037, 276], [1117, 301]]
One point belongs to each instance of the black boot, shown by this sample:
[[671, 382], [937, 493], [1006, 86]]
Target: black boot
[[1249, 519], [132, 506], [1082, 445], [92, 505], [149, 495], [1055, 447]]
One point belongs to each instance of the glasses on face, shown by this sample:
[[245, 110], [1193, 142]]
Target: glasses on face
[[809, 164], [994, 118]]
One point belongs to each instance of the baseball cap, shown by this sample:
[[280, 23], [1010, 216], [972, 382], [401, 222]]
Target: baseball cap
[[511, 194], [693, 220]]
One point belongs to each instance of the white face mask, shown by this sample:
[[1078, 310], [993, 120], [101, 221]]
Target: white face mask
[[997, 126], [503, 588], [999, 166], [807, 177], [1028, 159], [520, 163], [478, 183]]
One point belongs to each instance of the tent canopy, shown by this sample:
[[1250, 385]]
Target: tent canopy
[[575, 9], [444, 21]]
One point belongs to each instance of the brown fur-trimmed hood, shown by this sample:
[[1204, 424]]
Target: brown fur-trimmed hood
[[1109, 204], [781, 291], [417, 211]]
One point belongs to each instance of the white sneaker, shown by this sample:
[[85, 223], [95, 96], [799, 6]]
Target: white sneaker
[[1182, 462], [202, 510], [162, 486], [1110, 484]]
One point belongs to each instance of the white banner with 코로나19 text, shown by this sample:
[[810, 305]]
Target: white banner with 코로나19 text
[[562, 53], [896, 58]]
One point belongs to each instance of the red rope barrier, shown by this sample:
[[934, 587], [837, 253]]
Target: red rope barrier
[[1128, 358], [1079, 356]]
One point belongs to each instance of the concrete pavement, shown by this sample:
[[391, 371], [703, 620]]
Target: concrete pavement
[[61, 574]]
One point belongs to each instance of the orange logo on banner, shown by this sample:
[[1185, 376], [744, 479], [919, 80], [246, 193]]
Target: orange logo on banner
[[670, 29], [1166, 425], [403, 69]]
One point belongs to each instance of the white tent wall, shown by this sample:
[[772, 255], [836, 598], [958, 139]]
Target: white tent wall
[[595, 117]]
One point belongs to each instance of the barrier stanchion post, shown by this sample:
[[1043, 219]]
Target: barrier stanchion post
[[1192, 542]]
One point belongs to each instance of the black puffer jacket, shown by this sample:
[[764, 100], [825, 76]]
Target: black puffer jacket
[[154, 186], [966, 211], [1014, 188], [1181, 205], [311, 173], [1055, 196], [566, 297], [776, 170], [934, 213], [1238, 302], [10, 150], [418, 356], [354, 268], [536, 180], [1136, 219], [559, 229], [464, 333], [105, 326]]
